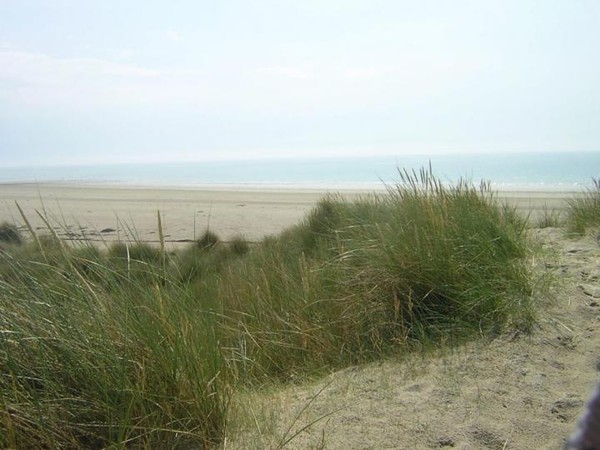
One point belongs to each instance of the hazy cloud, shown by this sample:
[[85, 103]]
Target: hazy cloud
[[359, 74], [172, 36], [40, 68]]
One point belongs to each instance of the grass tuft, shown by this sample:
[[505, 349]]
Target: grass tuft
[[239, 245], [137, 251], [421, 265], [9, 234], [208, 240], [550, 218], [584, 211]]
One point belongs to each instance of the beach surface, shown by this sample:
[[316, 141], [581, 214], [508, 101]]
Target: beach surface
[[105, 213]]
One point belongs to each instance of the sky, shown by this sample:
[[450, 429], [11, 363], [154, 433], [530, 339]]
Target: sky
[[109, 81]]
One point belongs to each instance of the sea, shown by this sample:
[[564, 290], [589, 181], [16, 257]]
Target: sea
[[543, 171]]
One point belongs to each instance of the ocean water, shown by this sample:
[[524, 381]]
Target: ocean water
[[531, 171]]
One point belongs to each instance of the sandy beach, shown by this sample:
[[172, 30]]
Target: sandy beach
[[185, 213], [111, 212]]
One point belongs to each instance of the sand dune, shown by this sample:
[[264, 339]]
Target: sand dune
[[515, 392]]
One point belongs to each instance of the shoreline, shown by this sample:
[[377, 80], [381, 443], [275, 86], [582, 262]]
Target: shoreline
[[83, 211], [520, 188], [520, 171]]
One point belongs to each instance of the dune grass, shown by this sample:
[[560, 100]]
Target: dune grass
[[355, 281], [9, 234], [549, 218], [584, 212], [134, 347], [93, 357]]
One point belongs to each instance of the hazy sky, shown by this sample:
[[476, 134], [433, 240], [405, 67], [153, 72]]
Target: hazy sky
[[143, 80]]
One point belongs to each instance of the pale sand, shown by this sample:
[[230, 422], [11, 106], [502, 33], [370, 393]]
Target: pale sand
[[83, 211], [185, 213]]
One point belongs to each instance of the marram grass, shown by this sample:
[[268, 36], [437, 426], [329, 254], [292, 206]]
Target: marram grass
[[133, 347], [422, 264], [583, 212], [93, 359]]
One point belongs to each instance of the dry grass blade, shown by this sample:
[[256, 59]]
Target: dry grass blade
[[32, 232], [161, 236], [288, 436]]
